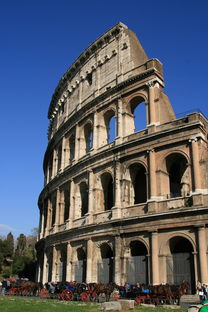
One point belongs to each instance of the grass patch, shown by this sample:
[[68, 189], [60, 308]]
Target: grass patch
[[18, 304]]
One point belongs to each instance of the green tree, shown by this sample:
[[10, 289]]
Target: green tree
[[10, 244], [24, 264], [21, 245]]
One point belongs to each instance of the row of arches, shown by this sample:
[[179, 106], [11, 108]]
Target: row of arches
[[64, 152], [179, 264], [134, 189]]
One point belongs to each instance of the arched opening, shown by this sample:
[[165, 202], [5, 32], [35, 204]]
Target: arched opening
[[50, 265], [177, 169], [50, 168], [84, 198], [88, 134], [180, 263], [53, 206], [137, 263], [108, 190], [45, 206], [66, 202], [59, 156], [139, 183], [110, 124], [62, 264], [71, 148], [106, 264], [81, 266], [138, 110]]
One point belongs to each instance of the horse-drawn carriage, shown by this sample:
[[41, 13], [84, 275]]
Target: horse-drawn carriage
[[94, 292]]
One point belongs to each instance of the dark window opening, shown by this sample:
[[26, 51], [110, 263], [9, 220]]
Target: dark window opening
[[176, 166], [138, 178], [53, 220], [50, 168], [84, 198], [138, 249], [59, 156], [89, 78], [108, 190], [66, 204], [71, 148], [88, 137]]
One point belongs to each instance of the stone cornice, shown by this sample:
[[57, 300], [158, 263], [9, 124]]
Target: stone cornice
[[82, 59], [142, 223]]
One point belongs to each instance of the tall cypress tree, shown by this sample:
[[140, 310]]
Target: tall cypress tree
[[10, 244]]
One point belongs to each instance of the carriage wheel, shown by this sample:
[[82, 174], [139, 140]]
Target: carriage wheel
[[67, 295], [43, 293], [93, 296], [11, 292], [24, 292], [84, 297], [137, 301]]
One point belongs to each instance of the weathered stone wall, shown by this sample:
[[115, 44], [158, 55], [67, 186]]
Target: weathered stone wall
[[130, 203]]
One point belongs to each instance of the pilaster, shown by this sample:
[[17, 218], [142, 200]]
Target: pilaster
[[54, 265], [119, 121], [196, 165], [155, 259], [95, 131], [90, 262], [152, 110], [69, 263], [45, 269], [117, 264], [91, 197], [203, 254]]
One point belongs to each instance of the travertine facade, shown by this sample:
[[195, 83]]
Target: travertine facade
[[126, 207]]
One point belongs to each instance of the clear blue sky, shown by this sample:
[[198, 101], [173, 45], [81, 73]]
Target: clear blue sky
[[39, 41]]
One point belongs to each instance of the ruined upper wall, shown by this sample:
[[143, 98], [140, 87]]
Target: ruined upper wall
[[112, 58]]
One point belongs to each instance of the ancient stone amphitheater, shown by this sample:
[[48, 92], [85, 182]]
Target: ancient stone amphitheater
[[123, 200]]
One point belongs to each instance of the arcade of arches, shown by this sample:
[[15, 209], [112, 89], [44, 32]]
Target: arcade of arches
[[125, 196], [148, 259]]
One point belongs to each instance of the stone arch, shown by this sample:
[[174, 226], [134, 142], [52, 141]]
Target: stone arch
[[175, 174], [137, 262], [59, 156], [80, 265], [71, 143], [107, 184], [62, 263], [137, 180], [105, 265], [164, 247], [88, 136], [180, 261], [49, 256], [137, 113], [84, 197], [110, 124]]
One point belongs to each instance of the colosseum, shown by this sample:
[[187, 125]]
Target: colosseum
[[125, 195]]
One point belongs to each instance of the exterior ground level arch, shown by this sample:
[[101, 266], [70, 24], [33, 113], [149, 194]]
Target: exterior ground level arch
[[150, 257]]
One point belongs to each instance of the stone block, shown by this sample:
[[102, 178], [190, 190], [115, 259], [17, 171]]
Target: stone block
[[110, 306], [194, 308], [126, 304], [187, 301], [148, 305], [197, 199]]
